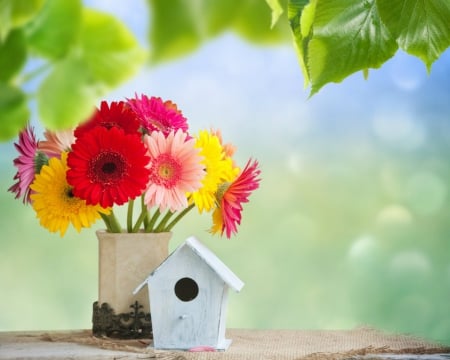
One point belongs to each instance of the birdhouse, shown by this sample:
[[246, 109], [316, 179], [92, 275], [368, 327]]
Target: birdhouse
[[188, 296]]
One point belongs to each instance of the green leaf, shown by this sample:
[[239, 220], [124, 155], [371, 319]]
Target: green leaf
[[216, 16], [175, 29], [193, 22], [14, 113], [277, 10], [335, 38], [253, 23], [55, 29], [422, 27], [15, 13], [348, 36], [68, 95], [300, 16], [107, 54], [5, 18], [307, 18], [110, 50], [12, 55]]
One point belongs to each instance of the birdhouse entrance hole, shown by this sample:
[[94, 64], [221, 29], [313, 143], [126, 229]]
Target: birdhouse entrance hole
[[186, 289]]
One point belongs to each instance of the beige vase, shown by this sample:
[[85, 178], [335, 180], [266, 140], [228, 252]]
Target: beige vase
[[125, 261]]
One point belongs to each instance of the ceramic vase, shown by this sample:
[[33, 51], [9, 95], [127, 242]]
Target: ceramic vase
[[125, 260]]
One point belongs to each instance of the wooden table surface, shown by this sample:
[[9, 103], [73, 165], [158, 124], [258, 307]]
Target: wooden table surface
[[359, 343]]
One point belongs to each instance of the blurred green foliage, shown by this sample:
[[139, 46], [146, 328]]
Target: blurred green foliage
[[70, 54], [77, 55], [333, 39], [181, 26]]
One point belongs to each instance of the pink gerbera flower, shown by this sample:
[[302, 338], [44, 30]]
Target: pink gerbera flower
[[175, 169], [56, 142], [28, 163], [108, 167], [156, 115], [230, 196], [116, 114]]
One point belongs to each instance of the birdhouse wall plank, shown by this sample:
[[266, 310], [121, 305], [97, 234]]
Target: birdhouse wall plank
[[223, 315]]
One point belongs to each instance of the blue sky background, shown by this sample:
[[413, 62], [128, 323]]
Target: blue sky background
[[350, 226]]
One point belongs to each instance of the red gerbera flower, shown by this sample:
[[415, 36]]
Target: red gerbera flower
[[156, 115], [116, 114], [230, 197], [108, 166]]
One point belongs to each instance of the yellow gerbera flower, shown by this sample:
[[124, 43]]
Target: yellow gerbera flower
[[54, 203], [219, 168]]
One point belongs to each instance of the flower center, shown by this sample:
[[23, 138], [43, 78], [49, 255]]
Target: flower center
[[107, 168], [40, 159], [69, 193], [69, 202], [221, 189], [109, 124], [166, 171]]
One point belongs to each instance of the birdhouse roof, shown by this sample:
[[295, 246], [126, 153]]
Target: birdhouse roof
[[209, 258]]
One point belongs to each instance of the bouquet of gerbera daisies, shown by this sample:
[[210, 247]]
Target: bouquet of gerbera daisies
[[139, 149]]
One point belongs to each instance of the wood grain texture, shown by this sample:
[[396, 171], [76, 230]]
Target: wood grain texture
[[359, 343]]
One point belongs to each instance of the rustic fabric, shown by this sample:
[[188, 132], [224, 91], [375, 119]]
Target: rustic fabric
[[265, 344]]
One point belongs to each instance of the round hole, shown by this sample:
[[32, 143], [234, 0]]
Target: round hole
[[186, 289]]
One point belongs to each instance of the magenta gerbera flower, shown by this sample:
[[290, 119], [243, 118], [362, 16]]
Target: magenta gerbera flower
[[108, 166], [116, 114], [175, 169], [156, 115], [227, 216], [28, 163]]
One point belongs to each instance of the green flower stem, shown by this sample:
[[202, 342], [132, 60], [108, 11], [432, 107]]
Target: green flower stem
[[179, 217], [144, 209], [141, 218], [106, 221], [165, 219], [130, 216], [151, 223], [114, 225]]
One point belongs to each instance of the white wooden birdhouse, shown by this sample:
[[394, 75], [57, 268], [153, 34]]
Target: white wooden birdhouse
[[188, 298]]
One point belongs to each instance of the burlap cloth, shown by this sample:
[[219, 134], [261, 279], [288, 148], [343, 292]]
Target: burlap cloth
[[272, 344]]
